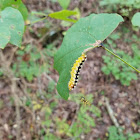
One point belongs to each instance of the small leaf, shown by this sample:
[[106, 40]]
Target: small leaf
[[78, 38], [64, 15], [136, 19], [64, 3], [12, 23], [105, 70]]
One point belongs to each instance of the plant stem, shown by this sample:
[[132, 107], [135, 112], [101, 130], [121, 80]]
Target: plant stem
[[39, 14], [121, 59], [93, 46], [37, 21]]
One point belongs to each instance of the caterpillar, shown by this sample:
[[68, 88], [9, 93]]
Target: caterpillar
[[86, 102], [75, 71]]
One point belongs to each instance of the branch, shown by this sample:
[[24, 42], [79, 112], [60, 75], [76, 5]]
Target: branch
[[120, 59], [111, 114], [7, 71]]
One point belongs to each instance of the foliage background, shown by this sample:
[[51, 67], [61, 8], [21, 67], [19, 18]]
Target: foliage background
[[38, 112]]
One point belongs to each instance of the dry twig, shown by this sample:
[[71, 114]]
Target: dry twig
[[7, 71], [111, 114]]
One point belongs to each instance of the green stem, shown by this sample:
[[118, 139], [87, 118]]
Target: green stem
[[39, 14], [37, 21], [88, 49], [121, 59]]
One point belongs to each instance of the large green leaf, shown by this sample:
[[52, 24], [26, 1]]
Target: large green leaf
[[78, 38], [11, 27], [136, 19], [64, 15], [4, 35], [17, 4]]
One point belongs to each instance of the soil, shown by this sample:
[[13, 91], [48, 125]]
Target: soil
[[124, 100]]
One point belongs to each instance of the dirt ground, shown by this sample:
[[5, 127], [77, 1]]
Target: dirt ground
[[124, 100]]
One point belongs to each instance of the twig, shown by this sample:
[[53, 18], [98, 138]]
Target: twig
[[39, 87], [111, 114], [16, 100], [14, 89], [12, 55], [7, 71], [48, 77]]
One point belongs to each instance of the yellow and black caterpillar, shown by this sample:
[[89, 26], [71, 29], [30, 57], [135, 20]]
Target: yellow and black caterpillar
[[75, 71]]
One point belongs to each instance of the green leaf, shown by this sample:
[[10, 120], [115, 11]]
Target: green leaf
[[64, 3], [113, 133], [106, 70], [64, 15], [136, 19], [11, 27], [4, 35], [133, 136], [17, 4], [78, 38]]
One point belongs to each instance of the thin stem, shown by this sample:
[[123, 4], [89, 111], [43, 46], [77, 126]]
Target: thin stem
[[112, 115], [39, 14], [88, 49], [121, 59], [37, 21]]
